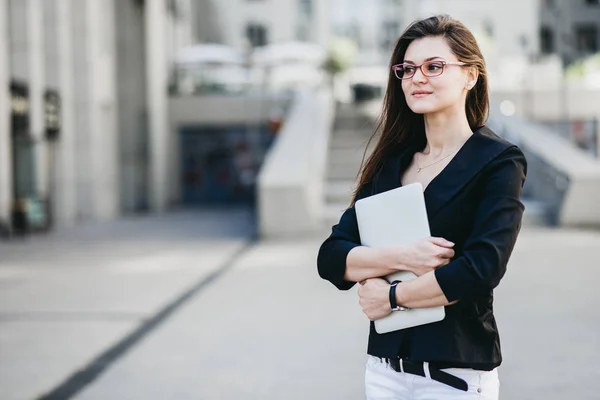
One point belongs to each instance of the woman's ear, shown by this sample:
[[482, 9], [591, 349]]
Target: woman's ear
[[472, 75]]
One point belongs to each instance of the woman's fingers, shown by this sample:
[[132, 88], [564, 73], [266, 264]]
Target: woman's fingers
[[441, 242], [447, 253]]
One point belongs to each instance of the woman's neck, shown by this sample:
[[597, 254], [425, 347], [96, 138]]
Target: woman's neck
[[445, 133]]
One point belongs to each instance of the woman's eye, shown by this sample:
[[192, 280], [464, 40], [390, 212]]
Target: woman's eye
[[434, 67], [408, 70]]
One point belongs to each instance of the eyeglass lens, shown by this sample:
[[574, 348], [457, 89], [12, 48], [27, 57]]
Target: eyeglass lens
[[407, 71]]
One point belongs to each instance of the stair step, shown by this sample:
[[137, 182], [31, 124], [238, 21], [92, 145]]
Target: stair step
[[342, 172], [352, 132], [362, 124], [360, 140], [355, 160], [333, 212], [339, 191], [343, 153]]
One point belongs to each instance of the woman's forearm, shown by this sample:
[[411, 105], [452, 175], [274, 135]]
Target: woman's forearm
[[365, 262], [423, 292]]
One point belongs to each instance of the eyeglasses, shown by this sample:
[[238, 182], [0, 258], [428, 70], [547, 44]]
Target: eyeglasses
[[429, 68]]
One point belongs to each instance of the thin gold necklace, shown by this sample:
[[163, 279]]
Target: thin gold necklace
[[443, 158]]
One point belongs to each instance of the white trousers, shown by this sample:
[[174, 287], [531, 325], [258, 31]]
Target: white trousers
[[382, 382]]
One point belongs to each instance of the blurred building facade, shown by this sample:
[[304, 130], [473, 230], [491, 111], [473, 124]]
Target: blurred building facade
[[570, 28], [241, 24], [512, 26], [85, 83], [374, 26]]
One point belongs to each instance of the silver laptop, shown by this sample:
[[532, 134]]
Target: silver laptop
[[397, 217]]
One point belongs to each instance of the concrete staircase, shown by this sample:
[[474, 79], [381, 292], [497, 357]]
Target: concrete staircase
[[352, 128]]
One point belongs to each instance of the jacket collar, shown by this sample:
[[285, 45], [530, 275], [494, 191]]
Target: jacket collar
[[481, 148]]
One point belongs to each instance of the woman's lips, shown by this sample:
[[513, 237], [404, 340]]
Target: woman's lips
[[421, 94]]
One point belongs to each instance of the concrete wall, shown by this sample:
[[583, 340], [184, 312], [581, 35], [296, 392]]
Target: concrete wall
[[18, 42], [365, 23], [510, 21], [63, 180], [97, 183], [155, 26], [290, 183], [5, 137], [226, 21], [37, 83], [207, 28], [131, 103], [74, 46], [162, 40]]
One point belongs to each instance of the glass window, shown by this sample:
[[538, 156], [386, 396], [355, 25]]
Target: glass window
[[546, 40], [257, 35], [586, 38], [306, 8]]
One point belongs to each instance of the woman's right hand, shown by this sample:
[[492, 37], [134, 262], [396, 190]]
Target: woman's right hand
[[425, 255]]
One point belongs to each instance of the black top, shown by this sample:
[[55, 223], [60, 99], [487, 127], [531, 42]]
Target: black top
[[474, 202]]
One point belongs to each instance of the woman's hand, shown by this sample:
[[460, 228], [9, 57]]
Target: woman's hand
[[425, 255], [374, 298]]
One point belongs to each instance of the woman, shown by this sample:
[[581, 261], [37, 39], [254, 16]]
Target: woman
[[433, 132]]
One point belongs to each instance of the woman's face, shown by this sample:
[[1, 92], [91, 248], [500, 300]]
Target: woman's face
[[425, 94]]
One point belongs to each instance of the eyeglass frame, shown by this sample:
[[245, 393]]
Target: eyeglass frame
[[443, 62]]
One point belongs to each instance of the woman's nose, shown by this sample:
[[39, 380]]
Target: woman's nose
[[419, 76]]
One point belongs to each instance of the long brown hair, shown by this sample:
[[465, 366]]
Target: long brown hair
[[398, 127]]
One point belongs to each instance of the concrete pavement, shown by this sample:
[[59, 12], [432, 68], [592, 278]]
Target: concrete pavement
[[268, 327], [65, 298]]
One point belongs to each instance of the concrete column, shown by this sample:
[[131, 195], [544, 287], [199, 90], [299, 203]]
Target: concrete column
[[19, 41], [36, 61], [5, 136], [321, 22], [65, 201], [598, 136], [156, 75], [102, 128], [96, 150]]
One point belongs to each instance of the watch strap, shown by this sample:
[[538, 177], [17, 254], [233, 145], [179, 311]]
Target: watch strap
[[393, 304]]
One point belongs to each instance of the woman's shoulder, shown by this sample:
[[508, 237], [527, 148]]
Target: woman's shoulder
[[497, 151], [494, 147], [491, 140]]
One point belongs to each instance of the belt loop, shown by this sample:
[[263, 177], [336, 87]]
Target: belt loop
[[426, 370], [401, 366]]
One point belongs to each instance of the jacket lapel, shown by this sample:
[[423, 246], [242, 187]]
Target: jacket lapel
[[481, 148], [390, 175]]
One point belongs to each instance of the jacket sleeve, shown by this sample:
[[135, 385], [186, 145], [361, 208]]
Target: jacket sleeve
[[331, 260], [496, 226]]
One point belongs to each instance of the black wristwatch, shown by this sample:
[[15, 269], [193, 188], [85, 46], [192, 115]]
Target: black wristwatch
[[393, 304]]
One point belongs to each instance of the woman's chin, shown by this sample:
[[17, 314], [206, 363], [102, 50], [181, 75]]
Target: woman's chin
[[423, 108]]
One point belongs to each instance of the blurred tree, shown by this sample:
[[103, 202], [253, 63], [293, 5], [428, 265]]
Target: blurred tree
[[340, 57], [586, 69]]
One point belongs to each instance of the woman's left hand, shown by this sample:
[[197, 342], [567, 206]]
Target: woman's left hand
[[374, 298]]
